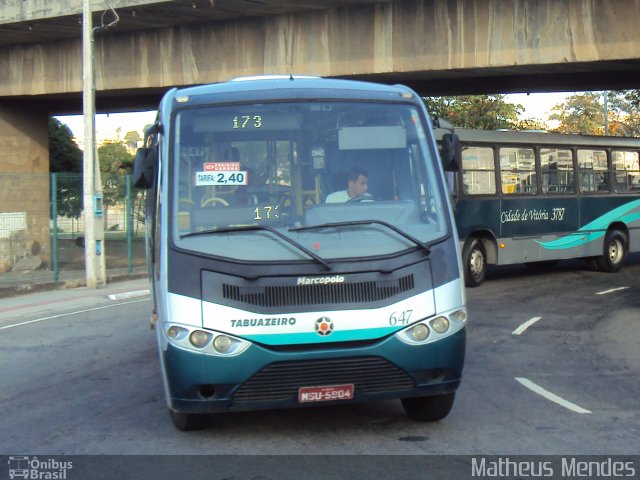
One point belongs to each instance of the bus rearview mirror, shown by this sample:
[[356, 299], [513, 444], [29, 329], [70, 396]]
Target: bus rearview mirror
[[451, 152], [144, 166]]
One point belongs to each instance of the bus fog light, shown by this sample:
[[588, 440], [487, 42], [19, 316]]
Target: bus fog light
[[440, 324], [198, 338], [419, 333], [222, 343]]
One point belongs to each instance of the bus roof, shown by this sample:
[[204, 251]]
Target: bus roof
[[544, 138], [284, 86]]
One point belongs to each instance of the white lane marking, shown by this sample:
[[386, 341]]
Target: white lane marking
[[551, 396], [70, 313], [126, 295], [604, 292], [525, 325]]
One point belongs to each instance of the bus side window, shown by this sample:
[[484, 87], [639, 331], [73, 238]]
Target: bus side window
[[518, 170], [556, 168], [626, 170], [478, 171], [592, 165]]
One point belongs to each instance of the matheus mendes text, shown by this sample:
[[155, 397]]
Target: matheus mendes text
[[564, 467]]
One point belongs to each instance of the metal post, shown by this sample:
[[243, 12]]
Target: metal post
[[129, 223], [54, 216], [95, 274]]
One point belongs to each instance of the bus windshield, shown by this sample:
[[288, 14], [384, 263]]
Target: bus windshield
[[338, 179]]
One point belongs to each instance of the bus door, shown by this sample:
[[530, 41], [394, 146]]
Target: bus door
[[604, 191]]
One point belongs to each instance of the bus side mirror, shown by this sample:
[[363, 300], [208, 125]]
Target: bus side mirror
[[144, 168], [451, 152]]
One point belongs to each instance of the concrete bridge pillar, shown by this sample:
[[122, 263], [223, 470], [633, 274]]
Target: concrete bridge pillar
[[24, 187]]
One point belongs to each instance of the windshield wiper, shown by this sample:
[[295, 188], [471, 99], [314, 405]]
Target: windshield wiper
[[390, 226], [248, 228]]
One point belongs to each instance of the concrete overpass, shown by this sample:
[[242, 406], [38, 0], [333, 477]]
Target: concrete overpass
[[435, 46]]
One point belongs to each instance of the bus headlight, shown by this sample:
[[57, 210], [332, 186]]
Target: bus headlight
[[440, 324], [419, 333], [434, 329], [222, 343], [207, 342], [199, 339], [176, 333], [459, 315]]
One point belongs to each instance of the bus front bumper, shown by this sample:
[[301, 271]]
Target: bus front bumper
[[261, 378]]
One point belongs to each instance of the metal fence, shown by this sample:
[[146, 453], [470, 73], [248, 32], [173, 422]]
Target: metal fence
[[42, 227]]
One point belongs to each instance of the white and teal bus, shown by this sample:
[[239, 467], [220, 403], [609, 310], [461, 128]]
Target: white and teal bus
[[541, 197], [268, 296]]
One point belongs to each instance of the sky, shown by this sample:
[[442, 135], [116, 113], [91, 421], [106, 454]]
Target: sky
[[537, 105], [107, 124]]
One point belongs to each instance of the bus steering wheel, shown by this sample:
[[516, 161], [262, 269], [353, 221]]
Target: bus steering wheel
[[214, 200]]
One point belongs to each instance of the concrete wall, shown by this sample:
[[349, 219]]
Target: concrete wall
[[24, 188]]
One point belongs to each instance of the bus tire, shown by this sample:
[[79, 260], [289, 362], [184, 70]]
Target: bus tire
[[428, 409], [615, 252], [474, 259], [187, 422]]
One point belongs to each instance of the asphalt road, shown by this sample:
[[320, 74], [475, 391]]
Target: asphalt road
[[80, 376]]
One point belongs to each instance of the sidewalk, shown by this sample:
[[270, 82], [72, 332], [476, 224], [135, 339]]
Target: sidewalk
[[18, 283]]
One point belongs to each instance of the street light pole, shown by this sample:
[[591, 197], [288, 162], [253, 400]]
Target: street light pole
[[92, 189]]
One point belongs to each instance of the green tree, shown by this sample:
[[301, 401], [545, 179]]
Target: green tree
[[64, 154], [581, 113], [115, 158], [485, 112], [531, 124], [624, 113], [65, 159], [632, 97], [115, 163], [585, 113]]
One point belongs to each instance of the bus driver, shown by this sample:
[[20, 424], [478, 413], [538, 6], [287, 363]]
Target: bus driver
[[357, 186]]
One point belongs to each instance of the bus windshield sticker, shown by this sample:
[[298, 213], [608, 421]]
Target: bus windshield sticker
[[232, 178], [221, 166]]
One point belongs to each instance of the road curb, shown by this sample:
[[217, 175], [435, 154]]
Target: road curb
[[27, 288], [128, 295]]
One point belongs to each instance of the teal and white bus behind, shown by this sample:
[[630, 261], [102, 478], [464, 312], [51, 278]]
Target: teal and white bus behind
[[267, 296], [526, 197]]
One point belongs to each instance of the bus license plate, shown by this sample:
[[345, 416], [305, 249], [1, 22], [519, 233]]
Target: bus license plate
[[325, 393]]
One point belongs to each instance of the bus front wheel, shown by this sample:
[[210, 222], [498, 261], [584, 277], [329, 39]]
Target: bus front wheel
[[614, 253], [428, 409], [474, 258], [188, 421]]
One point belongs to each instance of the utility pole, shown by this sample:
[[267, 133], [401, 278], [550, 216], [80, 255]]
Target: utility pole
[[606, 112], [94, 253]]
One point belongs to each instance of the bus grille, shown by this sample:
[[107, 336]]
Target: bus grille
[[280, 381], [334, 293]]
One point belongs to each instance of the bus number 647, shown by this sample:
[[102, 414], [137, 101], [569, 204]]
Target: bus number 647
[[401, 318]]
